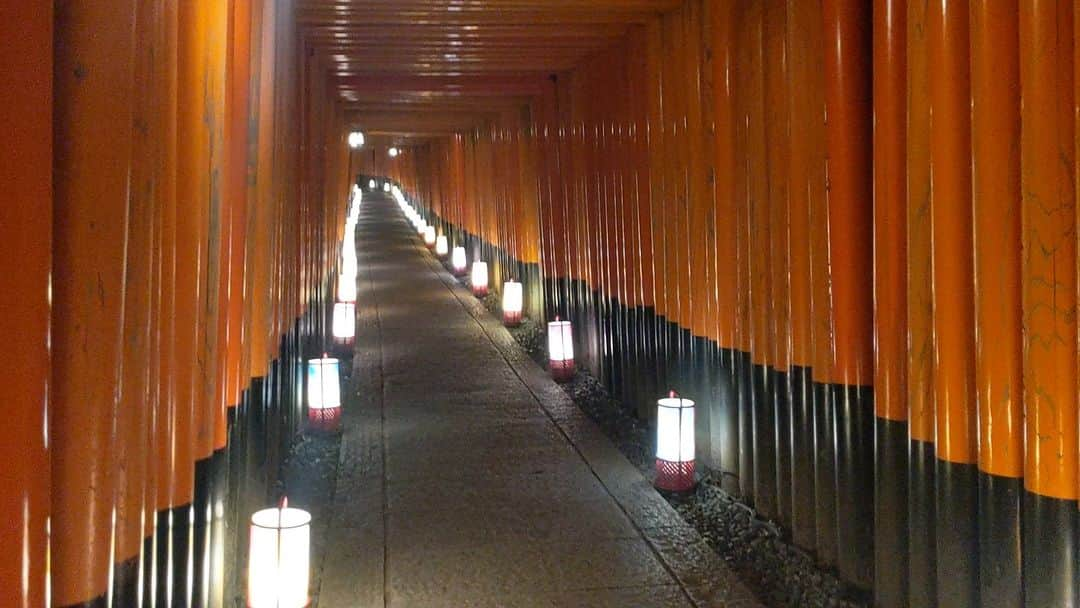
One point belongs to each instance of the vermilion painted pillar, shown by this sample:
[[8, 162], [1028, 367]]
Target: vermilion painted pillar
[[953, 313], [93, 111], [26, 234], [1048, 277], [890, 304], [922, 524], [848, 137], [995, 155]]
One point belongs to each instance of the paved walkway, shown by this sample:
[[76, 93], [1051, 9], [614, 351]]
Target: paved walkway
[[467, 478]]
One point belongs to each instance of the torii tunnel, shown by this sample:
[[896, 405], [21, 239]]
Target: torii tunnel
[[846, 229]]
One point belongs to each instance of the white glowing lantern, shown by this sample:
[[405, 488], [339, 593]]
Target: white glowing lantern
[[479, 278], [344, 326], [421, 226], [279, 558], [371, 184], [386, 187], [511, 303], [442, 246], [561, 350], [393, 152], [674, 444], [459, 261], [429, 236], [348, 263], [346, 288], [324, 393]]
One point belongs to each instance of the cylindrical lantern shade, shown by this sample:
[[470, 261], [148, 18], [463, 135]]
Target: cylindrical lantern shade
[[371, 184], [674, 444], [386, 187], [561, 350], [344, 326], [346, 288], [459, 261], [479, 278], [429, 236], [348, 263], [324, 393], [511, 303], [279, 558], [421, 226], [442, 247]]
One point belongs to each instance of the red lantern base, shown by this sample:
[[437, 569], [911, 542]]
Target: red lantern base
[[674, 476], [459, 272], [561, 371], [430, 247], [512, 318], [326, 420], [479, 291]]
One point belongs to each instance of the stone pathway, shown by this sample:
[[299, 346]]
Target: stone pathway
[[468, 478]]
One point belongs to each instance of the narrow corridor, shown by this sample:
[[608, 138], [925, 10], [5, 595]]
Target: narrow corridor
[[467, 477]]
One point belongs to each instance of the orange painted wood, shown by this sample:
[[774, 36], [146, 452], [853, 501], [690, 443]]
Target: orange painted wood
[[920, 306], [848, 136], [890, 205], [953, 265], [93, 109], [996, 197], [26, 231], [1048, 274]]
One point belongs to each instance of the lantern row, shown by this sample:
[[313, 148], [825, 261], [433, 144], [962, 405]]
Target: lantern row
[[675, 447]]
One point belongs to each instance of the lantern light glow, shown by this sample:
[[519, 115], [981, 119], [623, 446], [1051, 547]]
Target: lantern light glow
[[344, 325], [459, 261], [674, 444], [346, 288], [386, 187], [324, 393], [442, 246], [371, 184], [393, 152], [356, 139], [561, 350], [511, 303], [429, 236], [279, 558], [479, 278]]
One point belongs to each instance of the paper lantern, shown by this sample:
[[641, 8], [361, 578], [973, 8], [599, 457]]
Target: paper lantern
[[421, 226], [479, 278], [324, 393], [459, 261], [386, 187], [371, 184], [674, 444], [429, 236], [348, 262], [511, 303], [346, 288], [561, 350], [442, 246], [344, 325], [279, 558]]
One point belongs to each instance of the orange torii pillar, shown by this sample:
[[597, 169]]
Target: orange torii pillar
[[26, 231], [995, 131], [922, 525], [890, 305], [848, 137], [1048, 277], [93, 112]]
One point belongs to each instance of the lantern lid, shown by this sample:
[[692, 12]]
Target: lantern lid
[[675, 401], [281, 518]]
